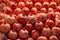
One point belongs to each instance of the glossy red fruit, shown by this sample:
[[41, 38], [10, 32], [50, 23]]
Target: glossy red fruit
[[29, 39], [42, 38], [29, 27], [57, 15], [23, 1], [17, 11], [35, 34], [21, 18], [7, 10], [41, 1], [26, 10], [53, 38], [12, 35], [57, 23], [41, 17], [49, 23], [38, 5], [5, 28], [3, 36], [44, 10], [12, 5], [57, 1], [8, 39], [51, 10], [34, 1], [31, 19], [3, 16], [17, 26], [2, 5], [39, 25], [18, 39], [6, 1], [29, 4], [17, 1], [21, 4], [34, 10], [58, 8], [23, 33], [53, 5], [55, 31], [46, 32], [10, 20], [46, 5], [51, 15]]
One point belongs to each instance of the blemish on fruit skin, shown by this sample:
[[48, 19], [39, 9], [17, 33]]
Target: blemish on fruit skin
[[29, 19]]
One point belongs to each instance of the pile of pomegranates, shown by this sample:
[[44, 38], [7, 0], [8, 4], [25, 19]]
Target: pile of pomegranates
[[29, 19]]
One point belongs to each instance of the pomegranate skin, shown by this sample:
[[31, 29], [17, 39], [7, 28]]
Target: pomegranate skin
[[42, 38], [12, 35], [39, 25], [17, 26], [35, 34], [5, 28], [23, 33], [53, 38], [41, 17], [46, 32], [56, 31], [29, 27], [49, 23]]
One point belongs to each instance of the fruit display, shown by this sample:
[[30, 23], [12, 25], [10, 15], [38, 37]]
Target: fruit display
[[29, 19]]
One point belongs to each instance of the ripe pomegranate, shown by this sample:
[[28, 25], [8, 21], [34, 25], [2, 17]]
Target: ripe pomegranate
[[56, 31], [26, 10], [46, 32], [22, 18], [49, 23], [6, 1], [35, 34], [57, 1], [2, 36], [39, 25], [46, 5], [51, 15], [51, 10], [44, 10], [29, 27], [53, 5], [41, 17], [18, 39], [29, 39], [57, 24], [42, 38], [53, 38], [21, 4], [10, 20], [23, 33], [17, 11], [41, 1], [7, 10], [3, 16], [12, 5], [17, 26], [2, 5], [12, 35], [58, 9], [5, 28], [29, 4], [34, 10], [38, 5], [31, 19], [34, 1]]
